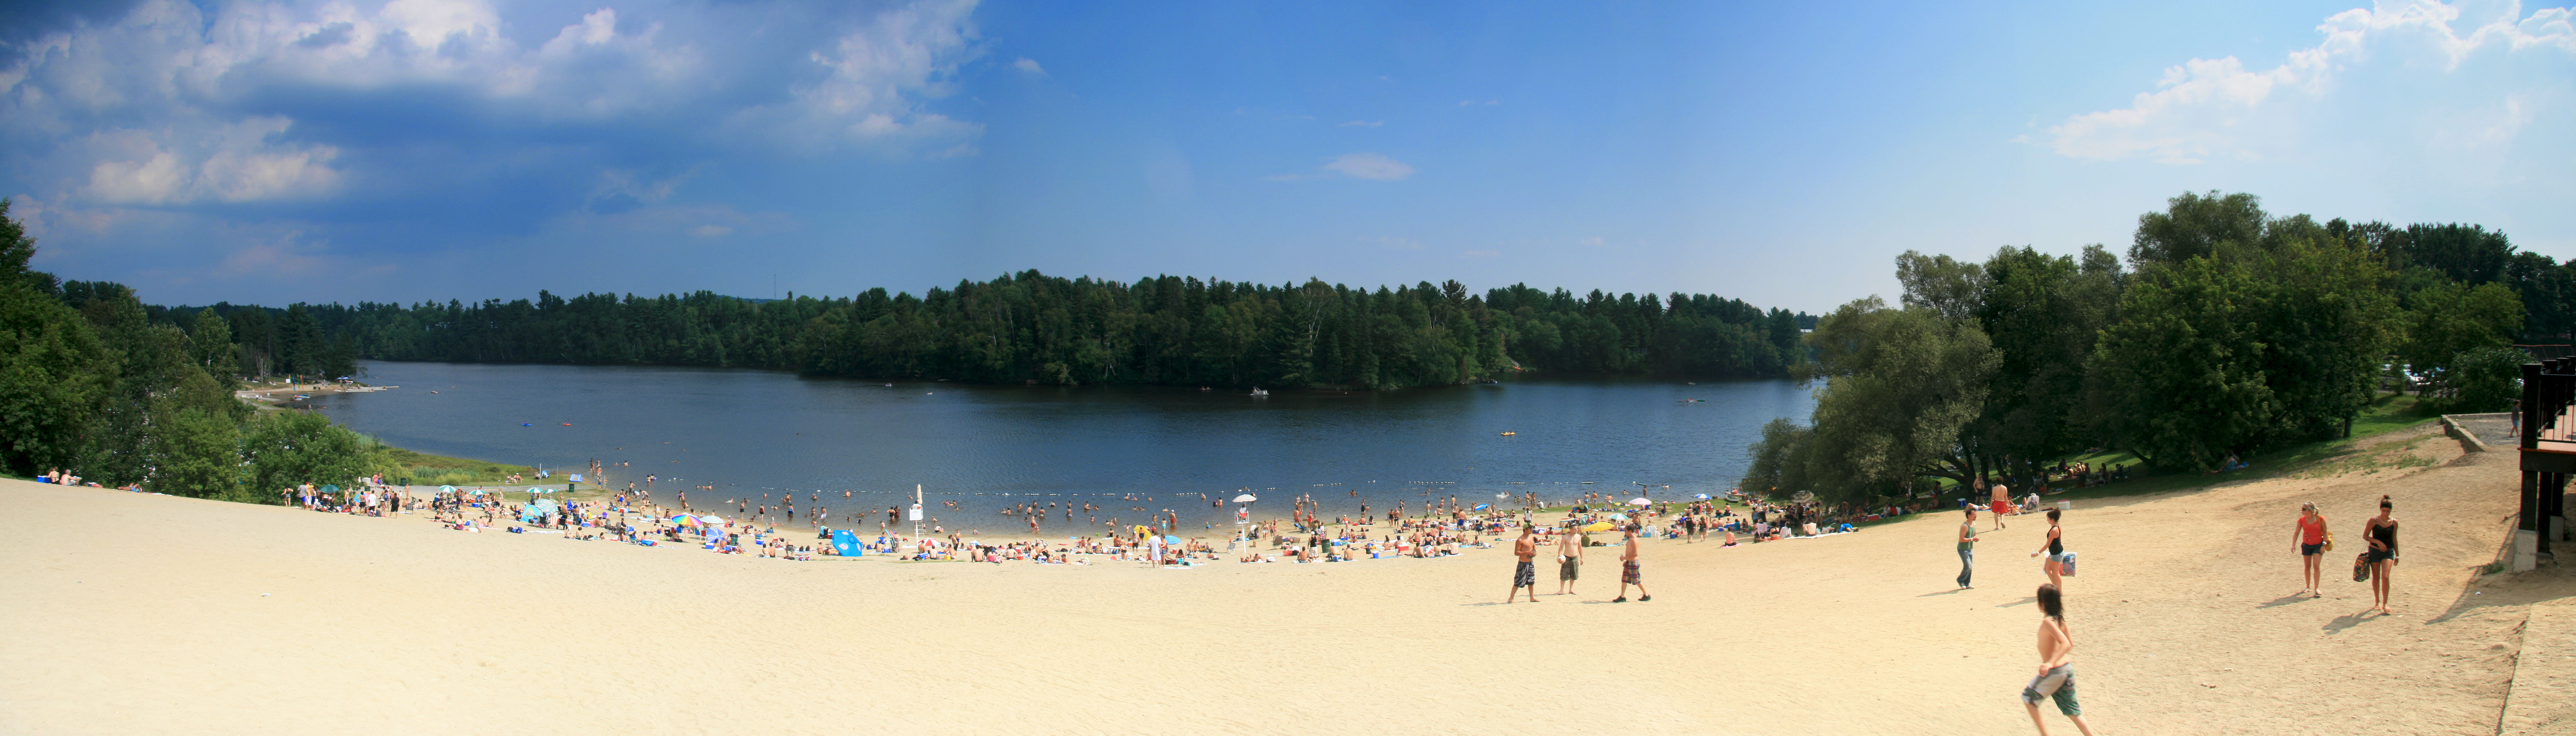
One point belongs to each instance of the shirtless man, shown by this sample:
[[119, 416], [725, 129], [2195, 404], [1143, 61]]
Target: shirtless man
[[2000, 504], [1628, 570], [1569, 562], [1525, 574]]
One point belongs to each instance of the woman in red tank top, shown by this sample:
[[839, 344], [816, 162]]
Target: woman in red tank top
[[2311, 536]]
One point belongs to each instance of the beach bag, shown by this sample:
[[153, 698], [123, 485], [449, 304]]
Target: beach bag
[[2361, 568], [2329, 542], [2066, 565]]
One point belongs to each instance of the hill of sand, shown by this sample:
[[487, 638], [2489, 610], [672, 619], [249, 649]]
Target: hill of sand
[[132, 612]]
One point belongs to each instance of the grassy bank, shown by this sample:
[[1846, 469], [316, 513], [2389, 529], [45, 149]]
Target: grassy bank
[[430, 470], [2315, 459]]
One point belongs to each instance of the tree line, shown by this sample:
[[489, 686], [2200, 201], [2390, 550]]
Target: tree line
[[1034, 328], [2227, 331], [91, 380]]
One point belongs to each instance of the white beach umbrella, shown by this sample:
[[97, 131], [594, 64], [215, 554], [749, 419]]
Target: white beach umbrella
[[1638, 501], [1245, 498]]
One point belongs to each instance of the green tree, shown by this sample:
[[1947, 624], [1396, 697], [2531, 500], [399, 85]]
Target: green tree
[[1900, 386], [287, 448], [2451, 320], [198, 455], [2180, 375], [55, 379], [1779, 460], [210, 339], [2044, 314], [2484, 379], [2194, 225]]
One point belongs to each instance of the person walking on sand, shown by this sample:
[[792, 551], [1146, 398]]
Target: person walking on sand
[[1967, 547], [1628, 569], [2056, 678], [2056, 550], [2382, 533], [2001, 503], [1525, 574], [2311, 538], [1569, 562]]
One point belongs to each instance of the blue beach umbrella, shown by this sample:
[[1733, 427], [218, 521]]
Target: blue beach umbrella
[[328, 488]]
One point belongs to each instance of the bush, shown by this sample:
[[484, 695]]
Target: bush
[[2483, 380]]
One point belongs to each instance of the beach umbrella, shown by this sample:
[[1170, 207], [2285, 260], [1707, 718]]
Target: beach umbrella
[[447, 489], [1598, 526], [1703, 496], [711, 520], [684, 519], [1167, 539], [1638, 501], [1619, 517], [1245, 498], [1482, 506], [328, 488]]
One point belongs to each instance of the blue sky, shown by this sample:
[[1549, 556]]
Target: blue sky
[[272, 152]]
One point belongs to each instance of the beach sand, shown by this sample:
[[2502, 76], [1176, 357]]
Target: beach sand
[[139, 613]]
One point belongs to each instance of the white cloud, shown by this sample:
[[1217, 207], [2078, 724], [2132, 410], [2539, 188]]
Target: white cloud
[[1029, 65], [1369, 166], [1363, 124], [2427, 54], [173, 104], [1594, 242], [875, 70], [242, 162]]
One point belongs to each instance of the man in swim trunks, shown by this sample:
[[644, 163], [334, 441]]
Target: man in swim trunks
[[1525, 574], [1628, 570], [2001, 504], [1569, 562]]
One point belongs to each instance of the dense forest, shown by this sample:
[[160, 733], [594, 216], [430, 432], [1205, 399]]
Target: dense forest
[[2227, 331], [92, 381], [1030, 327]]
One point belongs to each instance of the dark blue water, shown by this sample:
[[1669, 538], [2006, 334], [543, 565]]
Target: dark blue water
[[987, 447]]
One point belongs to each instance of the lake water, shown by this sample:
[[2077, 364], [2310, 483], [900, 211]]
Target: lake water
[[987, 447]]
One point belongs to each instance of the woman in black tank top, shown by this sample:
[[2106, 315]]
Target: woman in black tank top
[[2056, 552], [2382, 533]]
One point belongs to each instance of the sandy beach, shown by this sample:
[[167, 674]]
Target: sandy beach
[[140, 613]]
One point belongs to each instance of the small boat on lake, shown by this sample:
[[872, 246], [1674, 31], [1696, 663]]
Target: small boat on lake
[[1510, 434], [1256, 391]]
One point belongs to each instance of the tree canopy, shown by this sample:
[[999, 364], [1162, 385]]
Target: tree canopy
[[2229, 331], [1031, 327]]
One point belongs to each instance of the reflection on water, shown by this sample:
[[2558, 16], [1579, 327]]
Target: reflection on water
[[753, 432]]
